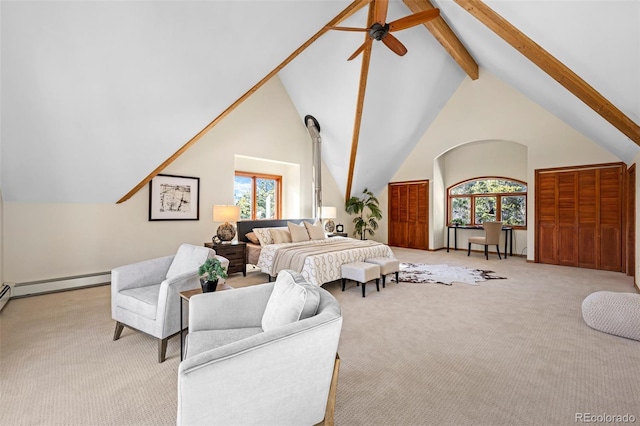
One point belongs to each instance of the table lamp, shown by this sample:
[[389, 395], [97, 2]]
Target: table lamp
[[226, 232], [329, 213]]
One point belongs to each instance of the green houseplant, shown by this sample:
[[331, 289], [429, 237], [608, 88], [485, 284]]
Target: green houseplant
[[210, 272], [364, 225]]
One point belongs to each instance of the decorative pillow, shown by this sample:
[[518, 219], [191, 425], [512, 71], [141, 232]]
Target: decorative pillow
[[292, 299], [188, 258], [316, 231], [280, 236], [251, 236], [264, 236], [298, 232]]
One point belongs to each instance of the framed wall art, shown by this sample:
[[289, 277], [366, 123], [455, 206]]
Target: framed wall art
[[174, 198]]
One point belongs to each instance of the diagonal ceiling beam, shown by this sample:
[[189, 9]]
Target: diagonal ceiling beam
[[364, 72], [552, 66], [347, 12], [446, 37]]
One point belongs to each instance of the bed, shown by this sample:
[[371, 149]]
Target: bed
[[318, 260]]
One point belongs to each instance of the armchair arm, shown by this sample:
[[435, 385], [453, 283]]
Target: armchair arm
[[140, 274], [236, 308], [169, 300]]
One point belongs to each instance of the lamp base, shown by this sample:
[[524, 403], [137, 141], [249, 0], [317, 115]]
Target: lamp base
[[329, 225], [226, 232]]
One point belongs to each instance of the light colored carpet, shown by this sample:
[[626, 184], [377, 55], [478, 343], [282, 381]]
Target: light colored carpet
[[508, 352]]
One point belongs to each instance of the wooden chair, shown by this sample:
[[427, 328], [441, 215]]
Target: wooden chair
[[491, 237]]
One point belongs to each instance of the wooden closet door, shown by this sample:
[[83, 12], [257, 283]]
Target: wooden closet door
[[609, 195], [567, 219], [409, 214], [588, 219], [546, 218]]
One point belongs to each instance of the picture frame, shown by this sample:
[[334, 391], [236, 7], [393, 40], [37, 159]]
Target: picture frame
[[174, 198]]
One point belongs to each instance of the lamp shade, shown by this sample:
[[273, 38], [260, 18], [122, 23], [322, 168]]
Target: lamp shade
[[226, 213], [328, 212]]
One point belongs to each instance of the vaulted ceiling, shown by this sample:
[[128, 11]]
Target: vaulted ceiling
[[97, 95]]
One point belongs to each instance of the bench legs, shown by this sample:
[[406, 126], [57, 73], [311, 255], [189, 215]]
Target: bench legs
[[364, 285]]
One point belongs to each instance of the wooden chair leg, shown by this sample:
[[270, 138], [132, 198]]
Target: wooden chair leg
[[162, 349], [331, 399], [498, 250], [118, 330], [469, 251], [486, 252]]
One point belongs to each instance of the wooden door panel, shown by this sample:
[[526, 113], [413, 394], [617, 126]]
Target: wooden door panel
[[547, 245], [610, 243], [587, 243], [567, 245], [409, 215]]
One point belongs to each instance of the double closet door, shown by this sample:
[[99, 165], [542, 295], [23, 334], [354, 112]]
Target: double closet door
[[580, 216], [409, 214]]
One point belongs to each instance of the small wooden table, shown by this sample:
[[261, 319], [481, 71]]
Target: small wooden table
[[185, 296]]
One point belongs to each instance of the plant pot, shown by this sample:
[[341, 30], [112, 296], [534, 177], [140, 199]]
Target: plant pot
[[208, 286]]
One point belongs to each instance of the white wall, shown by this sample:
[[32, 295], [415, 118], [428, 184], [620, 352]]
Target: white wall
[[46, 241], [489, 110]]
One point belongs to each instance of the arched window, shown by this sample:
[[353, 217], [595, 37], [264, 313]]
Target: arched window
[[479, 200]]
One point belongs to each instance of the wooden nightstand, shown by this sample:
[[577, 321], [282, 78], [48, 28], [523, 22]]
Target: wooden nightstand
[[337, 234], [236, 252]]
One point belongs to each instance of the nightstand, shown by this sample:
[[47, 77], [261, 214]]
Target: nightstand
[[235, 252], [337, 234]]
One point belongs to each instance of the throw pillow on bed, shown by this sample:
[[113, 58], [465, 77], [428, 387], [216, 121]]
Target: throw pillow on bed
[[298, 232], [280, 236], [251, 236], [316, 231], [264, 236], [292, 299]]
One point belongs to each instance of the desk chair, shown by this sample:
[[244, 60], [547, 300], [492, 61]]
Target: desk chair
[[491, 237]]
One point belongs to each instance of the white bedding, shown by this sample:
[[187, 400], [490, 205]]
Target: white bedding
[[325, 267]]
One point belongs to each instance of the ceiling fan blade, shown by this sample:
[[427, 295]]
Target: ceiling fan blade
[[394, 44], [363, 30], [380, 11], [361, 48], [413, 20]]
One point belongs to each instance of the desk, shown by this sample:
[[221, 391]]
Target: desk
[[508, 237], [186, 295]]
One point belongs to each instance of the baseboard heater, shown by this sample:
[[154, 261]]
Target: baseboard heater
[[5, 294], [60, 284]]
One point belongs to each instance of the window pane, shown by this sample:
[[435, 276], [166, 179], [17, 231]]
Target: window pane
[[514, 210], [461, 210], [485, 209], [242, 195], [265, 198], [488, 186]]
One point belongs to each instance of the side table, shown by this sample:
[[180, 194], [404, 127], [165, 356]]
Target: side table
[[338, 234], [185, 296], [235, 252]]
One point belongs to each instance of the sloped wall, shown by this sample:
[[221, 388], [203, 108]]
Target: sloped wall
[[49, 241], [488, 109]]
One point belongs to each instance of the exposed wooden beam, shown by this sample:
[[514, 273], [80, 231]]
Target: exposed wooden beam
[[348, 11], [364, 72], [552, 66], [446, 37]]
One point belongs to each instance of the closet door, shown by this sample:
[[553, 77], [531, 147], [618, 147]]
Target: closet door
[[579, 216], [409, 214]]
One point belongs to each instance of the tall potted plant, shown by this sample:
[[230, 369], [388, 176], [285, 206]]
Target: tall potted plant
[[364, 225]]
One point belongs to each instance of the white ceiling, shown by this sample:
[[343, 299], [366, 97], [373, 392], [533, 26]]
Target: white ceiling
[[95, 95]]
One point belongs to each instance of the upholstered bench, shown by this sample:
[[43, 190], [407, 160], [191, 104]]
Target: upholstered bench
[[361, 272], [613, 313], [387, 265]]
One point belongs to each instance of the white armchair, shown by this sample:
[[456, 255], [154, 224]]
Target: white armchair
[[144, 295], [241, 368]]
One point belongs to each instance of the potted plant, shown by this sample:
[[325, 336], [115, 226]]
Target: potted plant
[[210, 272], [457, 221], [364, 225]]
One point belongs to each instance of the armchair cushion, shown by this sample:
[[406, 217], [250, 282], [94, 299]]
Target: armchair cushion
[[292, 299], [188, 259], [141, 300]]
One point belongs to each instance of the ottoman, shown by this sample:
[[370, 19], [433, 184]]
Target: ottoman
[[361, 272], [613, 313], [387, 265]]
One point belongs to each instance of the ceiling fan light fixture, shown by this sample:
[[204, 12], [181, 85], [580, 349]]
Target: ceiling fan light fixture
[[378, 31]]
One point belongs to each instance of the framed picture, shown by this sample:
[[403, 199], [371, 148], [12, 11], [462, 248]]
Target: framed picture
[[174, 198]]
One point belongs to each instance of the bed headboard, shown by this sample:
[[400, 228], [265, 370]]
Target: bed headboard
[[246, 226]]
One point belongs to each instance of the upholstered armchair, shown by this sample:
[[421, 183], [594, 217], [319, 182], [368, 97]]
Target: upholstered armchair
[[144, 295], [491, 237], [256, 355]]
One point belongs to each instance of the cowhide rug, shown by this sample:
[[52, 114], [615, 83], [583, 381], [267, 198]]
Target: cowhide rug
[[443, 274]]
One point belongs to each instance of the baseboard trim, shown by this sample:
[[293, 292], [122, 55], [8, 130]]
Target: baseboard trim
[[55, 285]]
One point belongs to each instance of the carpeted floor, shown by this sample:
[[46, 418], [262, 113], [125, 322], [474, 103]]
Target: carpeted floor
[[507, 352]]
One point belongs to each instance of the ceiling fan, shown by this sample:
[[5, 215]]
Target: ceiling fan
[[380, 30]]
